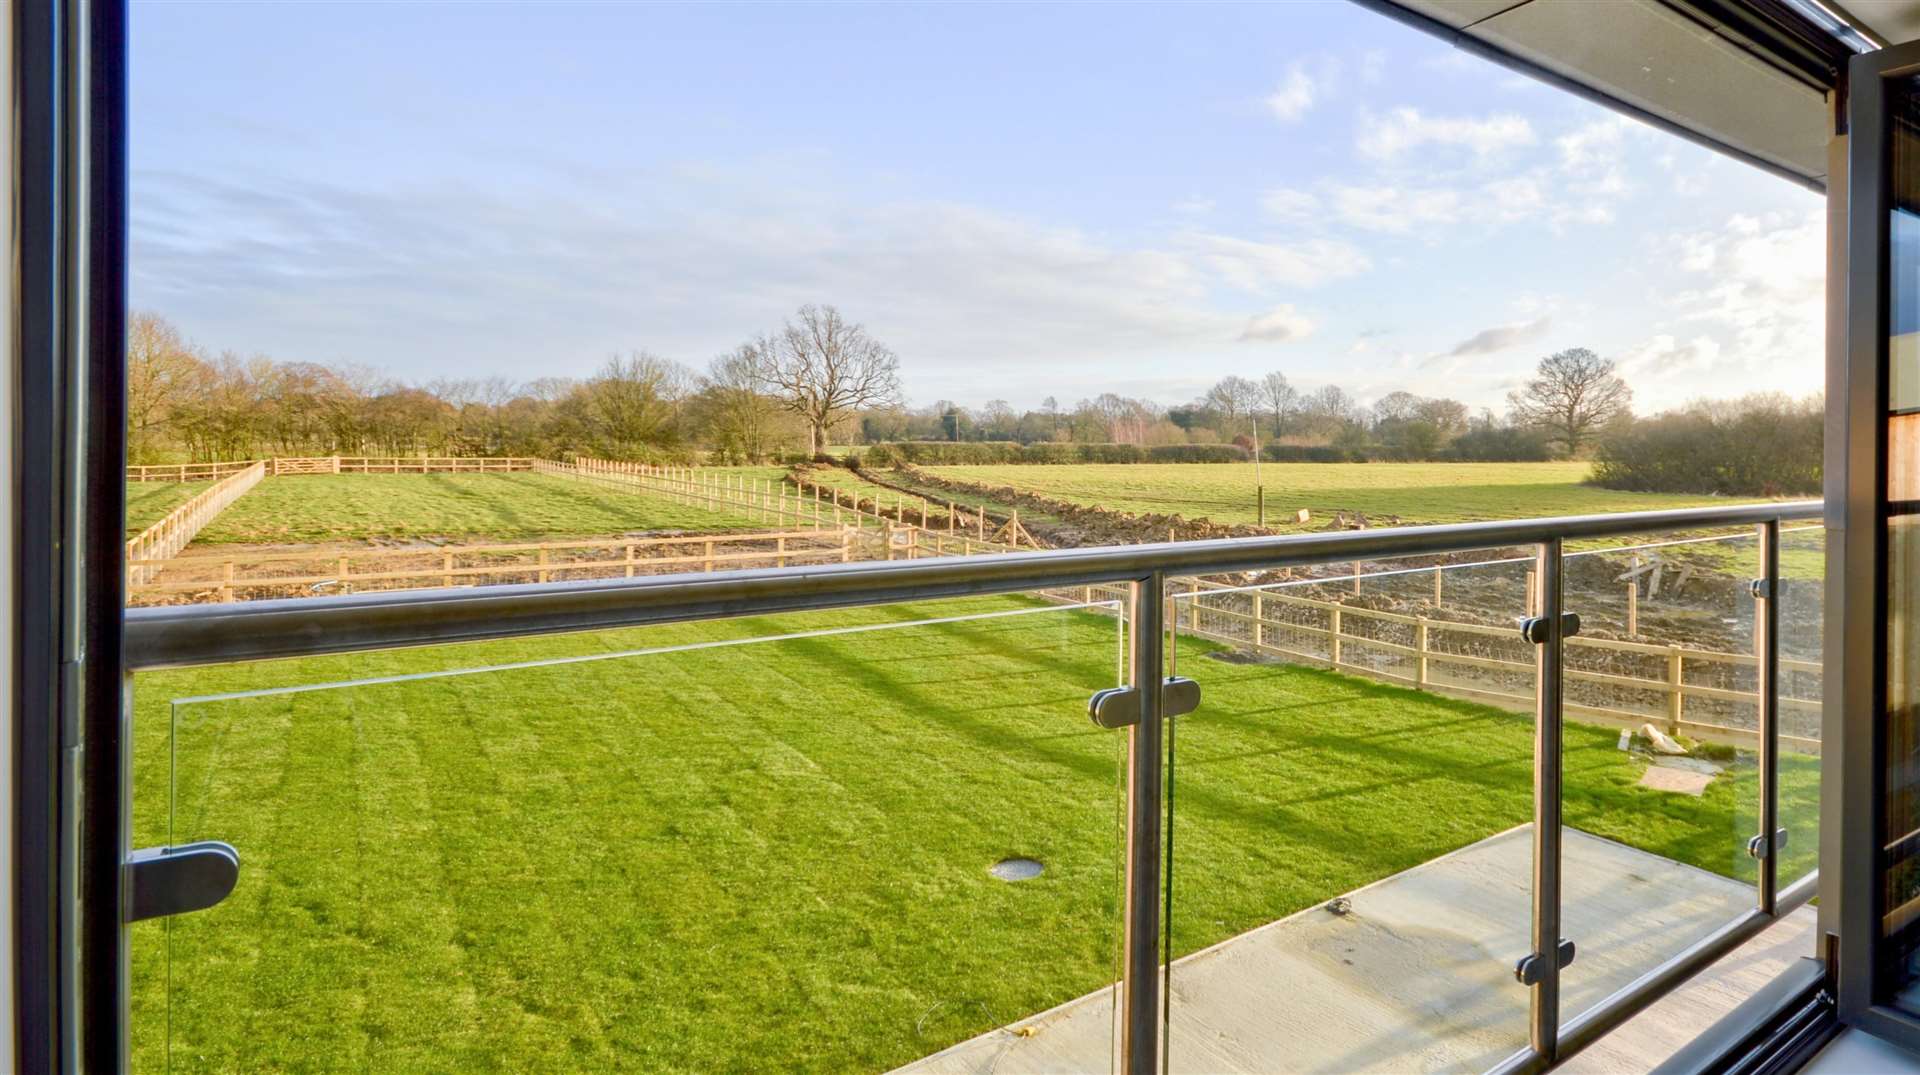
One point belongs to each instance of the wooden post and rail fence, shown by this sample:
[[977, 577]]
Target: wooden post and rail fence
[[172, 533], [451, 565], [1426, 666], [828, 524]]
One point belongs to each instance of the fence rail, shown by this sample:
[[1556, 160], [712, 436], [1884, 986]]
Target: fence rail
[[173, 532], [185, 472], [802, 503], [542, 561], [379, 464], [1427, 661]]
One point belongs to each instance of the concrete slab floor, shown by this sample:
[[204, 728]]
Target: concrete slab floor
[[1416, 976]]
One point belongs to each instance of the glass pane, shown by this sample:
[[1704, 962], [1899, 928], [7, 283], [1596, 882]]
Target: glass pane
[[1351, 818], [1660, 763], [799, 843], [1803, 570]]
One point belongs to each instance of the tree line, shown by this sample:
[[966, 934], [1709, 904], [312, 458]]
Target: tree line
[[819, 378], [792, 387]]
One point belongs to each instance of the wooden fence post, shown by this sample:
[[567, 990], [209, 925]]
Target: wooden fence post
[[1420, 653], [1193, 605], [1333, 636], [226, 585], [1633, 608], [446, 566], [780, 552], [950, 516], [629, 561], [1259, 620], [1676, 701], [1437, 574], [545, 575], [846, 539], [709, 562]]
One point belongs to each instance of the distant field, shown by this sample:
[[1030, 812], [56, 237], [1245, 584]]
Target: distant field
[[1415, 492], [149, 502], [498, 507]]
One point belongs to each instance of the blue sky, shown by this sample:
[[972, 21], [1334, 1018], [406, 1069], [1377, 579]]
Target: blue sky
[[1022, 200]]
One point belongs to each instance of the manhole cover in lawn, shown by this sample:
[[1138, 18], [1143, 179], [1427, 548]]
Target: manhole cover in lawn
[[1016, 869]]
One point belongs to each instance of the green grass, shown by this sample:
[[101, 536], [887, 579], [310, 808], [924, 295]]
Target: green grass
[[149, 502], [491, 507], [1417, 493], [774, 856]]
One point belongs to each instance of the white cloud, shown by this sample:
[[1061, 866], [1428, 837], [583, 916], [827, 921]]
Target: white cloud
[[1259, 267], [1591, 155], [1395, 210], [1760, 311], [1290, 206], [1663, 358], [1500, 338], [1294, 96], [1402, 129], [1195, 206], [1279, 324]]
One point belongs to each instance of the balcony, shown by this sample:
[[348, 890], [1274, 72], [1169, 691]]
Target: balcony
[[855, 815]]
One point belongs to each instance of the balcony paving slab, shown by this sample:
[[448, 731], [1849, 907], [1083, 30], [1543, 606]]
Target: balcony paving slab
[[1417, 973]]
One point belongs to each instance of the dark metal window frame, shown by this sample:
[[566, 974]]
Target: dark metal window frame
[[71, 784], [1853, 822], [69, 264]]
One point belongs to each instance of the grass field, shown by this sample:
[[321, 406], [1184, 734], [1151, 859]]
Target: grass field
[[149, 502], [1415, 492], [774, 856], [493, 507]]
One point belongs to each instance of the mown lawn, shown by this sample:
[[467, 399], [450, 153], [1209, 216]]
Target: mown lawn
[[1416, 493], [774, 856], [494, 507], [149, 502]]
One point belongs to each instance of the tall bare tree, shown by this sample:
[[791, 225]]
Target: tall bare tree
[[1280, 398], [740, 413], [162, 375], [824, 367], [1572, 394], [1235, 398]]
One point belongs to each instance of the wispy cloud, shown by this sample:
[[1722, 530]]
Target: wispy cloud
[[1278, 325], [1259, 267], [1294, 97], [1386, 137], [1500, 338]]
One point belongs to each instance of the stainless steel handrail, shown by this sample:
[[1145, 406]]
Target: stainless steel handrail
[[185, 635]]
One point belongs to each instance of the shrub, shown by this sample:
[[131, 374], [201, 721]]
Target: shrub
[[882, 455], [1200, 453], [1310, 453], [1760, 446], [1503, 444]]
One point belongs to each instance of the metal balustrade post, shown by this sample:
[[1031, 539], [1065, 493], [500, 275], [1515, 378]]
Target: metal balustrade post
[[1766, 630], [1544, 1034], [1140, 1015]]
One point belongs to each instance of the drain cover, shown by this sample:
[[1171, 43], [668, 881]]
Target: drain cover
[[1016, 869]]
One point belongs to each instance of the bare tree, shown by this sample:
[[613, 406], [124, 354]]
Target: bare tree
[[1281, 399], [1235, 398], [1573, 394], [740, 413], [162, 371], [632, 402], [823, 368]]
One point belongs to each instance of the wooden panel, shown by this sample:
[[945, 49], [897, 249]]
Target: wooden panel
[[1903, 457]]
